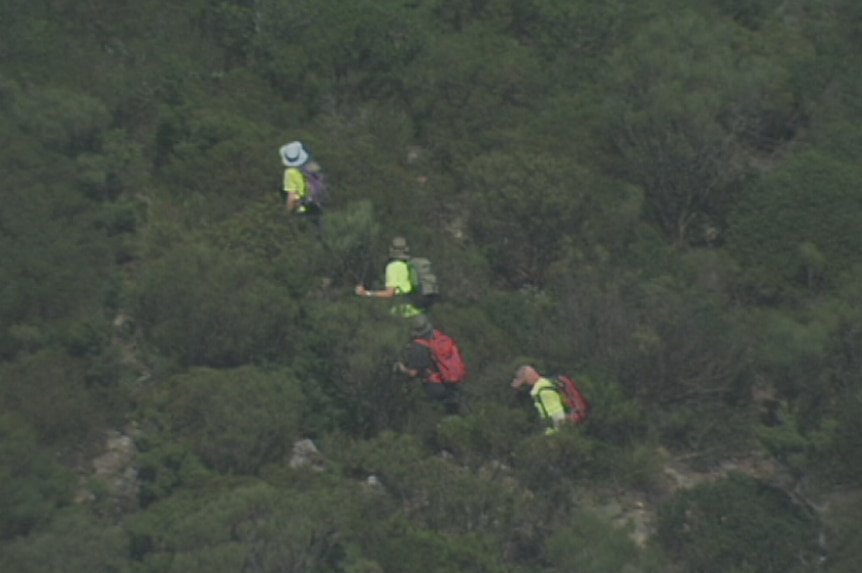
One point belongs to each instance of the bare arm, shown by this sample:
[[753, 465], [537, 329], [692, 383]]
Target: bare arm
[[388, 292]]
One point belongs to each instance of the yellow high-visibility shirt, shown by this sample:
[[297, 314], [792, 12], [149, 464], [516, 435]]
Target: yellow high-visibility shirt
[[547, 399], [294, 182], [398, 277]]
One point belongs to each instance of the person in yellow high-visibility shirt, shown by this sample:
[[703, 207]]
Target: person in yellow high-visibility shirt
[[397, 281], [294, 187], [545, 396]]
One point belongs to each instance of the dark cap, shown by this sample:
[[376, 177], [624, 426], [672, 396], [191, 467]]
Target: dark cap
[[399, 249], [421, 326]]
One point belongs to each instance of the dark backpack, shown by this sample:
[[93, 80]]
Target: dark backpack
[[424, 289], [447, 358], [577, 407], [316, 189]]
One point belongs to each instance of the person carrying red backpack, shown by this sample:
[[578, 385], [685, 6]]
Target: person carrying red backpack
[[557, 398], [434, 358]]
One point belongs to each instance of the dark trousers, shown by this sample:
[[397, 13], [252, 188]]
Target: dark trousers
[[447, 394]]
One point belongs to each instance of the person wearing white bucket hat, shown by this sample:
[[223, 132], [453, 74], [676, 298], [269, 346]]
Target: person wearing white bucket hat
[[295, 185]]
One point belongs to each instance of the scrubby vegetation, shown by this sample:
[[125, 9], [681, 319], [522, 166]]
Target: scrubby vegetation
[[660, 198]]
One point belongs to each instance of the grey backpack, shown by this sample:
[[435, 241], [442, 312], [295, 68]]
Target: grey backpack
[[423, 282]]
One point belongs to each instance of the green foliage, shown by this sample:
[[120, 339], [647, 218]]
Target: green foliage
[[524, 318], [348, 236], [468, 87], [32, 484], [389, 454], [50, 389], [521, 208], [65, 121], [247, 526], [843, 532], [835, 446], [613, 189], [737, 524], [399, 545], [614, 417], [592, 545], [204, 307], [354, 352], [688, 93], [217, 154], [74, 542], [795, 231], [791, 349], [488, 434], [551, 464], [164, 468], [236, 420], [783, 439], [712, 429], [569, 33]]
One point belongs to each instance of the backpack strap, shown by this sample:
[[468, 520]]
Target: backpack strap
[[541, 404]]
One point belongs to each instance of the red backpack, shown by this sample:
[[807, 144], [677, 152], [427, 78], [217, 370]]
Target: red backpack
[[447, 358], [576, 405]]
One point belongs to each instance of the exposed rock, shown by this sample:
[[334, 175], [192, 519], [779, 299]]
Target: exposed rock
[[114, 469], [372, 484], [306, 455]]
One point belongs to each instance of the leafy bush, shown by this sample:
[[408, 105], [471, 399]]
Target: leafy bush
[[812, 241], [32, 484], [591, 545], [550, 465], [236, 420], [249, 525], [397, 544], [712, 429], [73, 542], [738, 523], [836, 448], [206, 308], [51, 391], [488, 433], [614, 417]]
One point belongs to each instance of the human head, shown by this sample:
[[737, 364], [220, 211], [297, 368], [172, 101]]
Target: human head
[[421, 326], [525, 375], [399, 249], [293, 154]]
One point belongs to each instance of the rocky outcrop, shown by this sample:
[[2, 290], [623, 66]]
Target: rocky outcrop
[[306, 455], [112, 475]]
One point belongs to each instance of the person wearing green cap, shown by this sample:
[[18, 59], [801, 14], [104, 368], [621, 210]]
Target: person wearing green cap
[[433, 358], [397, 281]]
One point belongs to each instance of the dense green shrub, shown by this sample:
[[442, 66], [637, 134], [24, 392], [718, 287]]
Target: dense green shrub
[[488, 434], [611, 190], [592, 545], [32, 484], [794, 232], [248, 525], [738, 524], [73, 542], [52, 391], [236, 420], [204, 307]]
